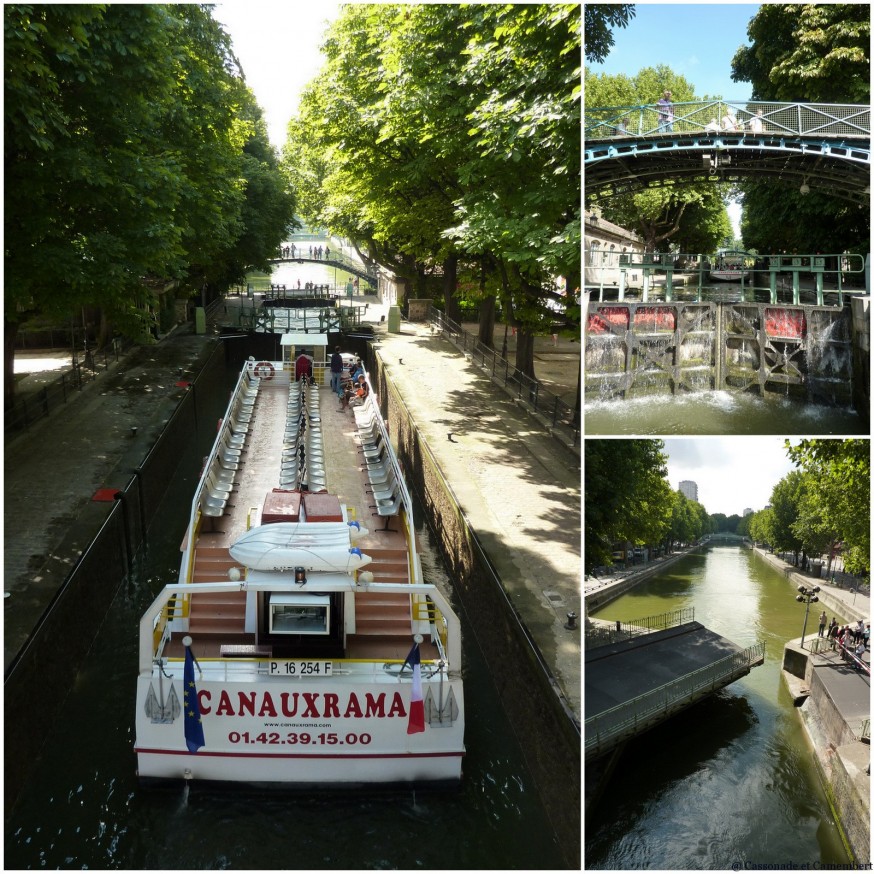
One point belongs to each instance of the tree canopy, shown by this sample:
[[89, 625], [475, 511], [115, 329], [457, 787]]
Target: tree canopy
[[439, 136], [601, 18], [805, 53], [134, 154]]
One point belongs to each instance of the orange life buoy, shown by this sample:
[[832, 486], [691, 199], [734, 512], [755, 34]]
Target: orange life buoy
[[264, 370]]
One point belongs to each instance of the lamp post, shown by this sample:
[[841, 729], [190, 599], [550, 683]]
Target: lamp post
[[807, 595]]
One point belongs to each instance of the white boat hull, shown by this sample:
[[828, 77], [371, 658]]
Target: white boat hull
[[275, 731]]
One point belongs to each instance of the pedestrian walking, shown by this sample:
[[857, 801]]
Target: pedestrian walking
[[666, 112], [822, 621]]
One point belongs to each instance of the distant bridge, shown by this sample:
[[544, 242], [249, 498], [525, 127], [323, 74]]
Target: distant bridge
[[814, 146], [338, 260]]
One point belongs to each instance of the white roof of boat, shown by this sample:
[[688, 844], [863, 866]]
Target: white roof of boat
[[304, 340]]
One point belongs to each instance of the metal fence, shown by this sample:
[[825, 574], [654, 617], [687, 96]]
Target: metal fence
[[561, 416], [607, 729], [604, 635], [28, 407], [727, 116]]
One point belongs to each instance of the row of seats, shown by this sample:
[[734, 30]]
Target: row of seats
[[384, 486], [303, 460], [220, 479]]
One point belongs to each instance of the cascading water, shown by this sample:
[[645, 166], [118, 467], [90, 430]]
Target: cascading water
[[802, 354]]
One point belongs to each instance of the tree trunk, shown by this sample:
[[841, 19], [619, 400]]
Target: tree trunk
[[10, 333], [525, 352], [450, 281], [487, 309]]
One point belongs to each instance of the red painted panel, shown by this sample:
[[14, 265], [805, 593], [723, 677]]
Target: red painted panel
[[785, 323], [655, 319], [616, 316]]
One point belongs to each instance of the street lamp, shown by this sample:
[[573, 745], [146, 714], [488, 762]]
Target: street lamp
[[806, 596]]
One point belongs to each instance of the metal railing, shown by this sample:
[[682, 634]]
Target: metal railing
[[602, 635], [29, 406], [729, 116], [562, 417], [604, 731]]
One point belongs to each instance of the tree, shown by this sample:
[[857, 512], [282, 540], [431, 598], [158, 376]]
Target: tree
[[600, 18], [813, 51], [786, 499], [132, 158], [800, 53], [838, 474], [627, 497]]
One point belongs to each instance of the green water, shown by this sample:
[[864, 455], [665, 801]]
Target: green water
[[731, 782]]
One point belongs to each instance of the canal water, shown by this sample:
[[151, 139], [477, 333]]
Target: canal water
[[83, 808], [718, 412], [731, 781]]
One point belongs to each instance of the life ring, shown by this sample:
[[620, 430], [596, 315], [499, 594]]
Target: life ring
[[265, 370]]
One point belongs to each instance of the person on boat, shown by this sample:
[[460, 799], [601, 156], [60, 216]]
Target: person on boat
[[336, 370], [303, 367], [360, 393]]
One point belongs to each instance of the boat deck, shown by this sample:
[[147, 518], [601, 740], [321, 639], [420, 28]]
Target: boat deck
[[383, 621]]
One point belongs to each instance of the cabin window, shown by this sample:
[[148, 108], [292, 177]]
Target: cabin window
[[299, 614]]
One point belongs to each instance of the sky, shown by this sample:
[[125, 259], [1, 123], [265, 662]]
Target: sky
[[277, 45], [732, 473], [695, 40]]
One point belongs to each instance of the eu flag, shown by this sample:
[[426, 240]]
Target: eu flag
[[191, 706]]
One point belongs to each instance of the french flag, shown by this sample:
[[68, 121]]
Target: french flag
[[417, 705]]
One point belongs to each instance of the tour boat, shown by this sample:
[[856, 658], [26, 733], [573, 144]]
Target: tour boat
[[301, 645]]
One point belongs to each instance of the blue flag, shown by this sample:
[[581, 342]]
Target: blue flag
[[191, 706]]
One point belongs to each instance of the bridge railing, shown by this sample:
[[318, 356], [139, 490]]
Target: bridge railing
[[604, 731], [602, 634], [726, 116]]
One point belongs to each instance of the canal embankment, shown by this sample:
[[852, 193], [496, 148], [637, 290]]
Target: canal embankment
[[833, 700], [848, 602], [504, 499], [604, 588], [506, 504]]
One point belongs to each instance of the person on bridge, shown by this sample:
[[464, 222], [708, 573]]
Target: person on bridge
[[756, 123], [729, 122], [327, 253], [666, 113], [712, 127]]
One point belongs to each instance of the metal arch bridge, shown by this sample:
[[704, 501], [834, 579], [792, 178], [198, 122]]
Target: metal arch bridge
[[826, 147]]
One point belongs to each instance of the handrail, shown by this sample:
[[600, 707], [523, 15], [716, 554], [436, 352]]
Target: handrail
[[605, 729], [730, 116], [625, 630], [541, 399]]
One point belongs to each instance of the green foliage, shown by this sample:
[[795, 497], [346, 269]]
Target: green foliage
[[130, 159], [807, 52], [792, 222], [838, 477], [439, 132], [600, 19], [627, 497], [687, 218]]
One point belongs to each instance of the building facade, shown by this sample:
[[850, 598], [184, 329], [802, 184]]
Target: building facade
[[689, 489]]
